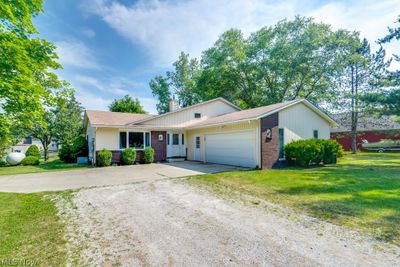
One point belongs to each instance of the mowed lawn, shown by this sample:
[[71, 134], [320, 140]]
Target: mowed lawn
[[361, 192], [30, 231], [53, 164]]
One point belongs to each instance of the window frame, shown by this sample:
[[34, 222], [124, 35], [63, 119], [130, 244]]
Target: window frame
[[316, 134], [197, 115], [198, 142], [177, 139], [145, 133], [281, 143]]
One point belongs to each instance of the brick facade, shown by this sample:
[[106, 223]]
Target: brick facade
[[160, 147], [117, 156], [270, 146]]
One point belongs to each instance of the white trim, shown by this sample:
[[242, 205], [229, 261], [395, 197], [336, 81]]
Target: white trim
[[127, 140]]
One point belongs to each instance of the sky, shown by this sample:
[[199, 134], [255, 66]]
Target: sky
[[110, 48]]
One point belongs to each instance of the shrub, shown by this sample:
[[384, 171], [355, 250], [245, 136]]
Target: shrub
[[312, 151], [148, 155], [332, 151], [33, 151], [104, 158], [70, 152], [128, 156], [3, 163], [30, 160]]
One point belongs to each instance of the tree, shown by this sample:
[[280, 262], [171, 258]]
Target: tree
[[298, 58], [62, 123], [160, 89], [26, 63], [127, 104]]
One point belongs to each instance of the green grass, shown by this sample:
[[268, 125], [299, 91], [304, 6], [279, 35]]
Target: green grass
[[31, 230], [361, 192], [53, 164]]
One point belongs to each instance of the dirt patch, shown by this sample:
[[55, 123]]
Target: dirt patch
[[171, 223]]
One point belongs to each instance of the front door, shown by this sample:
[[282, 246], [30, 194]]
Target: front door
[[175, 145], [197, 147]]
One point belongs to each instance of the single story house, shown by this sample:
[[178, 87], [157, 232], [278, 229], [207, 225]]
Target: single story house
[[215, 131], [25, 143], [370, 128]]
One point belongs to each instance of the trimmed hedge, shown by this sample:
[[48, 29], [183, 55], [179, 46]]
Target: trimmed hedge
[[33, 151], [30, 161], [148, 155], [312, 152], [104, 158], [128, 156]]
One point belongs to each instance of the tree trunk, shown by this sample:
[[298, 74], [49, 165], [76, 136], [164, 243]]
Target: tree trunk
[[353, 114]]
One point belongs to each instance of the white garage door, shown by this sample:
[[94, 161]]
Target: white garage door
[[236, 148]]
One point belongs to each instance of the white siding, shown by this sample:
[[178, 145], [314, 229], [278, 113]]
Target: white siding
[[107, 138], [252, 126], [299, 122], [186, 117], [91, 135]]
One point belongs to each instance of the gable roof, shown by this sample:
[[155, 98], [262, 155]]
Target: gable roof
[[189, 107], [108, 118], [366, 122], [257, 113]]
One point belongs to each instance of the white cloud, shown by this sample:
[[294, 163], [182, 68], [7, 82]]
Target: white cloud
[[164, 28], [76, 54], [88, 32]]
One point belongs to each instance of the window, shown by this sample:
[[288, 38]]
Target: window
[[197, 115], [183, 139], [175, 139], [167, 139], [281, 142], [147, 139], [316, 134], [122, 140], [136, 140], [197, 141]]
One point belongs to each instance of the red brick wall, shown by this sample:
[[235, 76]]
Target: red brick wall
[[270, 147], [371, 136], [160, 147], [117, 155]]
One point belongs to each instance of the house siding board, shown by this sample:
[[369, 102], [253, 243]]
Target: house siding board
[[252, 126], [186, 117], [270, 147], [299, 122], [160, 147], [344, 138]]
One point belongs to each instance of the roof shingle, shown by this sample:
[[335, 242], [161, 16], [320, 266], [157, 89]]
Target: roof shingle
[[107, 118]]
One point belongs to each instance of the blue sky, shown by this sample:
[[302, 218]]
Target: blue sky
[[112, 48]]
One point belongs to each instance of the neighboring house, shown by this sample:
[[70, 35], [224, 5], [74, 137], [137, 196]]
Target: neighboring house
[[369, 127], [28, 141], [214, 131]]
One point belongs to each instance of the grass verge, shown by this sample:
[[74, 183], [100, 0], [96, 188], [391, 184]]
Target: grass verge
[[31, 231], [52, 165], [361, 192]]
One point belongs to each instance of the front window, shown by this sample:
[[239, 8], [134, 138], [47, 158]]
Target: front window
[[136, 140], [147, 139], [175, 139], [197, 141], [122, 140], [281, 143]]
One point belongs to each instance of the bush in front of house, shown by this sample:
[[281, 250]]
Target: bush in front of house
[[128, 156], [332, 151], [148, 155], [104, 158], [312, 152], [3, 163], [30, 161], [33, 151], [70, 152]]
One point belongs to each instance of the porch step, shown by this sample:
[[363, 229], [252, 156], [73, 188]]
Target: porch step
[[175, 159]]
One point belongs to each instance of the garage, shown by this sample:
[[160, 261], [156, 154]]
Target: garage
[[234, 148]]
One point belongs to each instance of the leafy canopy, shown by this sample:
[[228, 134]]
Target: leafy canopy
[[127, 104]]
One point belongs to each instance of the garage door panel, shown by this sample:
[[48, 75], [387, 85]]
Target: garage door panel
[[236, 148]]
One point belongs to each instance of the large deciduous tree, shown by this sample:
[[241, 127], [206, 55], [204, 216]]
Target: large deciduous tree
[[298, 58], [160, 88], [127, 104], [26, 64]]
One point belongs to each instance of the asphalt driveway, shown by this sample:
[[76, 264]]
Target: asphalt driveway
[[54, 181]]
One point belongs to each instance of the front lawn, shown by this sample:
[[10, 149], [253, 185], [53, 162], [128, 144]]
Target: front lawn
[[361, 192], [53, 164], [31, 233]]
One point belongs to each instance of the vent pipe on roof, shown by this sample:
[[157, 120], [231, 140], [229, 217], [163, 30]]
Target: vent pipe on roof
[[173, 105]]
